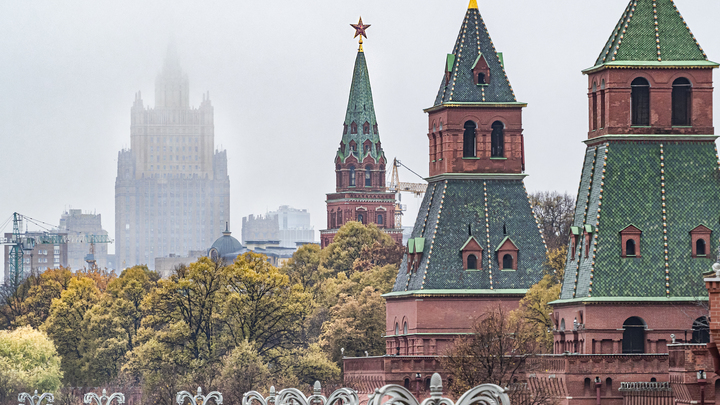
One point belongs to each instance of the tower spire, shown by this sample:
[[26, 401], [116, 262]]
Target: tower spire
[[473, 5], [360, 31]]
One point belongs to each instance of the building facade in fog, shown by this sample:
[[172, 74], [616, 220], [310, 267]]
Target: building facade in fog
[[172, 192], [48, 251], [289, 227], [78, 224]]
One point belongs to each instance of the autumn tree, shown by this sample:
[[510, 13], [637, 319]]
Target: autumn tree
[[348, 245], [496, 352], [243, 370], [28, 361], [555, 213]]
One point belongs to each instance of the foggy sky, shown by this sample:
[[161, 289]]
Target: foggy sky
[[278, 74]]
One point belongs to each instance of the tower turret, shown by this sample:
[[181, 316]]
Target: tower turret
[[172, 86]]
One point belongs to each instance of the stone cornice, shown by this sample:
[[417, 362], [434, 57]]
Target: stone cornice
[[477, 176], [621, 137], [457, 104]]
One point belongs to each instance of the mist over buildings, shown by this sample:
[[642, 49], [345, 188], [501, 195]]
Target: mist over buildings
[[278, 75]]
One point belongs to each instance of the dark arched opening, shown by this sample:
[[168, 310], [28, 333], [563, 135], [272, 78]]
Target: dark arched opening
[[701, 330], [469, 140], [681, 102], [608, 387], [481, 78], [508, 261], [472, 262], [361, 218], [405, 328], [630, 247], [368, 176], [497, 140], [633, 335], [587, 387], [406, 383], [700, 249], [380, 220], [640, 102], [352, 176]]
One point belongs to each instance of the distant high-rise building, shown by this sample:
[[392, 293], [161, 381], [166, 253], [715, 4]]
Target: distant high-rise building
[[43, 250], [172, 192], [77, 224], [289, 227]]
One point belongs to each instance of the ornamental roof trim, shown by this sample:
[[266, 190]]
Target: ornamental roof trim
[[460, 292], [505, 240], [471, 238]]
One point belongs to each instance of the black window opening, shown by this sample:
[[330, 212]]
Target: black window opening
[[633, 335], [406, 383], [481, 78], [361, 218], [469, 140], [701, 330], [640, 102], [368, 176], [472, 262], [700, 247], [366, 128], [507, 261], [497, 140], [380, 219], [681, 102], [352, 176], [630, 247]]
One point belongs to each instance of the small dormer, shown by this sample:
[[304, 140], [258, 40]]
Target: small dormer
[[449, 64], [481, 71], [700, 239], [415, 249], [507, 254], [367, 147], [366, 128], [353, 127], [630, 238], [574, 239], [472, 254], [588, 231]]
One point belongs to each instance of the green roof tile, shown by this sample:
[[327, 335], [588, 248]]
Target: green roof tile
[[651, 31]]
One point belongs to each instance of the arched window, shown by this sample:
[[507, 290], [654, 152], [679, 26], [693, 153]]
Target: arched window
[[681, 102], [380, 219], [332, 220], [594, 107], [382, 175], [497, 140], [405, 328], [427, 385], [608, 387], [472, 262], [339, 176], [469, 140], [701, 330], [633, 335], [397, 329], [481, 78], [368, 176], [562, 324], [352, 176], [366, 128], [700, 247], [406, 383], [602, 104], [587, 387], [508, 261], [640, 102], [361, 218], [353, 128], [630, 247]]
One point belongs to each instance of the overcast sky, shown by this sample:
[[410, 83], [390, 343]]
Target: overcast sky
[[278, 74]]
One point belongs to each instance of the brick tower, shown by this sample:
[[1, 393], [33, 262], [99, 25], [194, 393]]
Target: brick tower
[[649, 193], [476, 243], [360, 193]]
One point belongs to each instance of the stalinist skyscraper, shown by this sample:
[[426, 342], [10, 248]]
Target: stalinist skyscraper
[[172, 192]]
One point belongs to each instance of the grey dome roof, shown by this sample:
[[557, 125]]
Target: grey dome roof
[[227, 245]]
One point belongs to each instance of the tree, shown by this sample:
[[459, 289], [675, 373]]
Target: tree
[[496, 352], [243, 370], [63, 325], [28, 361], [535, 311], [262, 306], [555, 212], [304, 267], [30, 303], [348, 244]]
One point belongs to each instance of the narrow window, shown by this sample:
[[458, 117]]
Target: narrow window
[[406, 383], [681, 101], [594, 107], [368, 176], [497, 139], [361, 218], [353, 128], [481, 78], [507, 261], [630, 247], [405, 328], [472, 262], [352, 176], [397, 329], [633, 335], [380, 220], [700, 247], [382, 175], [339, 176], [469, 140], [602, 104], [366, 128], [640, 102]]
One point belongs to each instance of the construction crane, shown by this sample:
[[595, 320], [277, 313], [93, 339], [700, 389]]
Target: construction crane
[[20, 243], [396, 186]]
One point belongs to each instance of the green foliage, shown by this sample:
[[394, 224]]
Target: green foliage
[[348, 244], [28, 361], [243, 370]]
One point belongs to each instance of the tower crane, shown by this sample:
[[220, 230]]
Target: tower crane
[[396, 186], [20, 243]]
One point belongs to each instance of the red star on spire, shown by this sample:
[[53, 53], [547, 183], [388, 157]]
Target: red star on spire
[[360, 29]]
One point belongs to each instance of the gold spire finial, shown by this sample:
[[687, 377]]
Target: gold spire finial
[[473, 5], [360, 31]]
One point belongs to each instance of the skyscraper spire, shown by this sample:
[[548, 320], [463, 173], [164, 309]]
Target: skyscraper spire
[[172, 87]]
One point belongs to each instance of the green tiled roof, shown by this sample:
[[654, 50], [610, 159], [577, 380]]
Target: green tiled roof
[[449, 207], [360, 109], [651, 30], [472, 41], [666, 189]]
